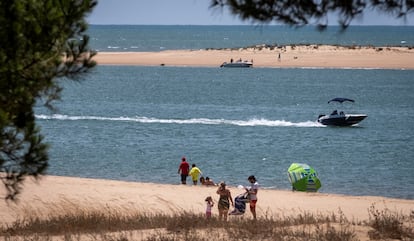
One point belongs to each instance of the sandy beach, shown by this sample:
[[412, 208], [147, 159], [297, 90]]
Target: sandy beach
[[39, 198], [303, 56], [51, 191]]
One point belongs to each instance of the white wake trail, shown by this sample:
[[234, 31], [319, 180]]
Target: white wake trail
[[200, 121]]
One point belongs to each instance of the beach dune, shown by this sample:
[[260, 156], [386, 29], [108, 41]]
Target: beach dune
[[303, 56], [50, 191]]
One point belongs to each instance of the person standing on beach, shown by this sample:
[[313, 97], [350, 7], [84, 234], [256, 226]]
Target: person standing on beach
[[224, 201], [183, 169], [195, 172], [252, 191], [210, 204]]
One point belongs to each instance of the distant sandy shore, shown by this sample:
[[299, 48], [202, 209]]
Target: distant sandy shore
[[304, 56], [52, 191]]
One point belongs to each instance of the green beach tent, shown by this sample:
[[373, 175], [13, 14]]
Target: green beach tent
[[303, 178]]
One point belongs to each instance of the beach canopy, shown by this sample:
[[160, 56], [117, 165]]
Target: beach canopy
[[340, 100], [303, 178]]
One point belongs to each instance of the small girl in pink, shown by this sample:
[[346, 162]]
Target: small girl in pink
[[210, 204]]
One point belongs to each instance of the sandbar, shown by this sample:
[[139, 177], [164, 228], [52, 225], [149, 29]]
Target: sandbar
[[302, 56]]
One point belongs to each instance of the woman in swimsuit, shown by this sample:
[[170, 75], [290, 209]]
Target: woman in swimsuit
[[224, 201]]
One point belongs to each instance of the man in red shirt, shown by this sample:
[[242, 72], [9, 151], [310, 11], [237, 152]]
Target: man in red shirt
[[184, 168]]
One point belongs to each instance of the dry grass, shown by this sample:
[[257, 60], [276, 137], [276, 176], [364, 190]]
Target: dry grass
[[71, 222], [390, 225]]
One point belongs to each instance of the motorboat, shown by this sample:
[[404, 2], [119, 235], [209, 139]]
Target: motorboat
[[340, 118], [237, 64]]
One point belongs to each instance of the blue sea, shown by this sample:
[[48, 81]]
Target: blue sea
[[134, 123], [131, 38]]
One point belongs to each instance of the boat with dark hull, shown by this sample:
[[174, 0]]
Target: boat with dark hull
[[237, 64], [340, 118]]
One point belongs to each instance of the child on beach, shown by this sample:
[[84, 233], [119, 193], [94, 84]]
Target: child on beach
[[209, 182], [210, 204]]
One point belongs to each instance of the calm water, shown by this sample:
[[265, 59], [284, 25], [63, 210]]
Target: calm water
[[135, 123], [157, 38]]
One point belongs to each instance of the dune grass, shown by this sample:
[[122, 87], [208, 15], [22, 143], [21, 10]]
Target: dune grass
[[71, 222], [390, 225]]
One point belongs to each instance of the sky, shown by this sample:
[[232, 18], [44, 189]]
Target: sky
[[194, 12]]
